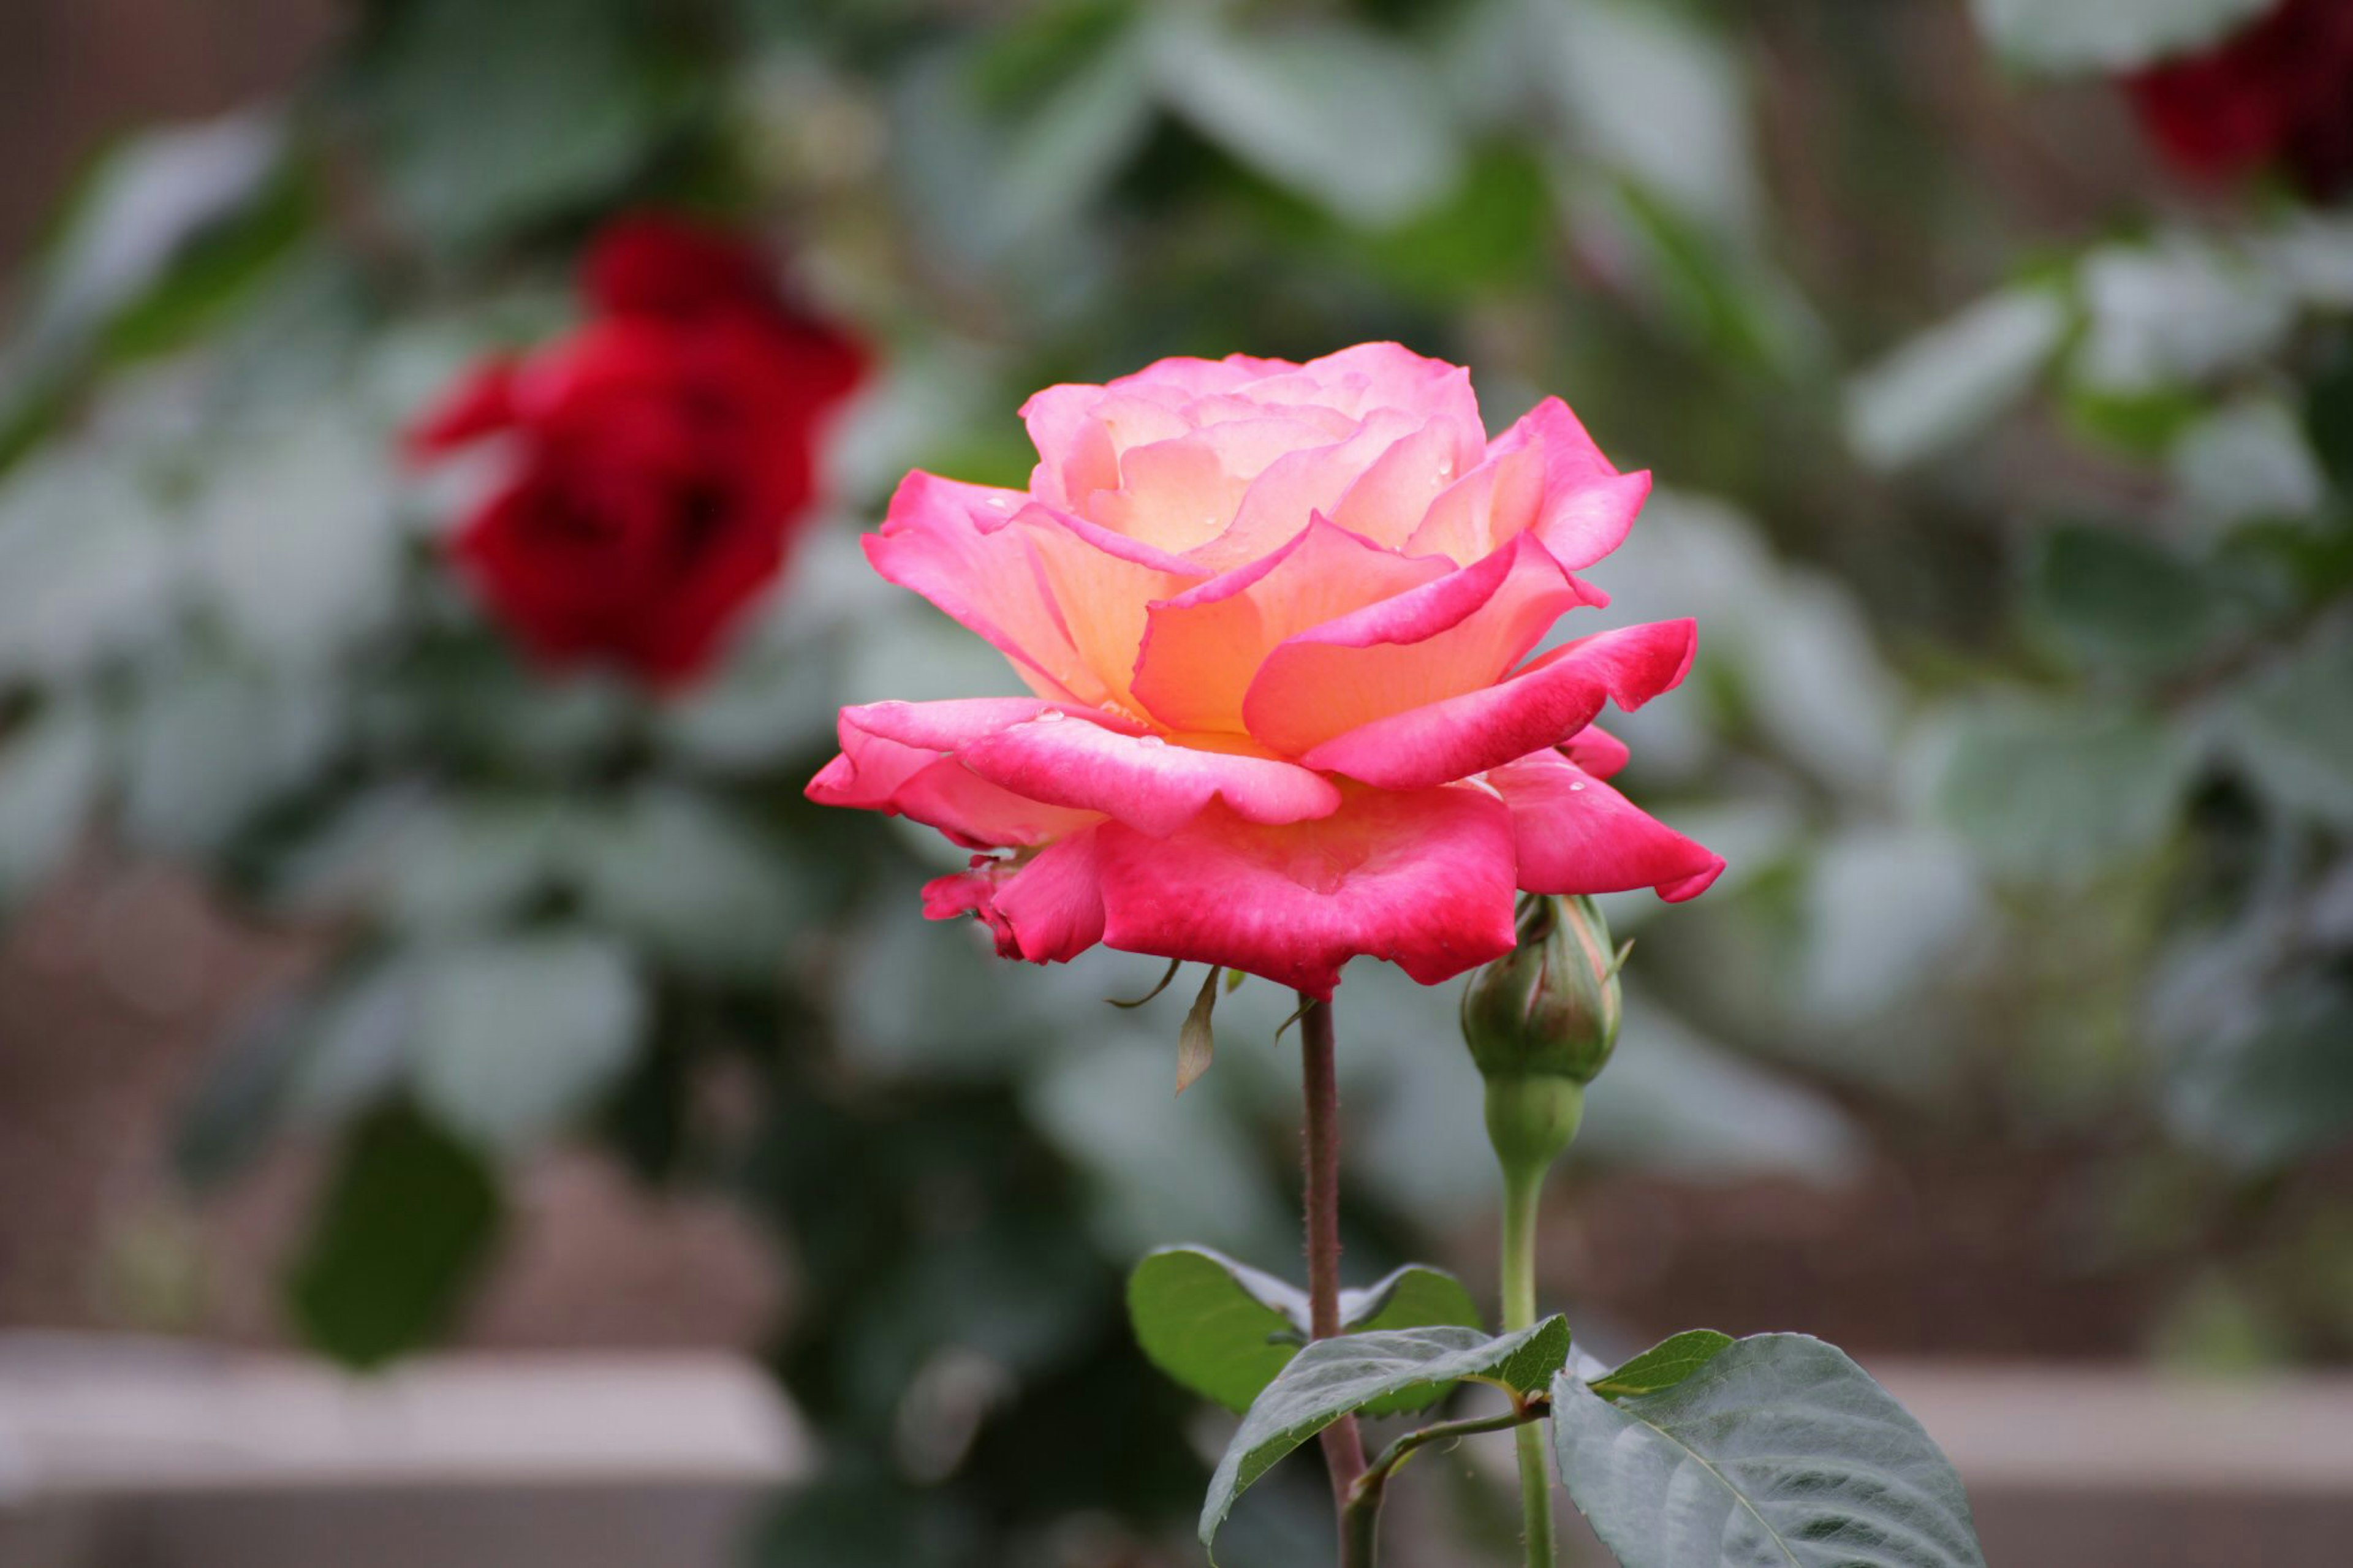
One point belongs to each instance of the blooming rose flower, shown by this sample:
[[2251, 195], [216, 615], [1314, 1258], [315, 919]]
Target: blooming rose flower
[[662, 454], [1277, 620], [2278, 92]]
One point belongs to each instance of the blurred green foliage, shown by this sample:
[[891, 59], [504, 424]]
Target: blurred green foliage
[[2024, 712]]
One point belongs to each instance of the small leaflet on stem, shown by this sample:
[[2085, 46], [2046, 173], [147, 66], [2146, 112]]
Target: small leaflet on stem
[[1174, 966], [1195, 1042]]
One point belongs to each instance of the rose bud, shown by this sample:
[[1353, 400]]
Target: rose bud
[[1541, 1022]]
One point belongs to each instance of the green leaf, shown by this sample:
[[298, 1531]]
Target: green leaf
[[2248, 461], [2328, 420], [2058, 793], [1777, 1452], [2117, 600], [1414, 1297], [1943, 387], [2106, 36], [2275, 1085], [1073, 138], [309, 1060], [1223, 1328], [296, 541], [467, 861], [88, 569], [1409, 1368], [691, 879], [1726, 297], [1492, 236], [491, 117], [2178, 310], [1337, 113], [408, 1220], [1196, 1042], [1615, 71], [2291, 727], [517, 1036], [1219, 1328], [1663, 1365], [49, 772], [211, 747], [151, 199]]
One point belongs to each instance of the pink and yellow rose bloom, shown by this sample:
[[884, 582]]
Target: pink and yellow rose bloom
[[1277, 621]]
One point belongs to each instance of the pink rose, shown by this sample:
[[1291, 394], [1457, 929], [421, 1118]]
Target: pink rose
[[1277, 618]]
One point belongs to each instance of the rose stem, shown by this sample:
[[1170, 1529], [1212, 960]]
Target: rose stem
[[1344, 1449], [1522, 1187]]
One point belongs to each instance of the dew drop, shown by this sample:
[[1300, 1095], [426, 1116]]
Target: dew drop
[[1576, 786], [1047, 715], [1151, 740]]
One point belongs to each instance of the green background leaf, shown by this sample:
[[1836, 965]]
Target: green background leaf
[[2058, 793], [407, 1222], [516, 1037], [2113, 599]]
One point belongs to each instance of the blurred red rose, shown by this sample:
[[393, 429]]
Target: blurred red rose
[[663, 454], [2279, 92]]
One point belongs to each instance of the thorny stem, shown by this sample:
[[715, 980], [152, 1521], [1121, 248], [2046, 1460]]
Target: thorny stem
[[1343, 1449]]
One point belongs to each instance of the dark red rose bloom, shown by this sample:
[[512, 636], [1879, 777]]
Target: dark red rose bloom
[[2279, 92], [663, 454]]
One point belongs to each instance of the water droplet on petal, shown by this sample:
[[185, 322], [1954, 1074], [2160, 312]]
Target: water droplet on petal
[[1047, 715], [1150, 740], [1576, 786]]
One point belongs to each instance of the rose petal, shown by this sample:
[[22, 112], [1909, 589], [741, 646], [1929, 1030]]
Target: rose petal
[[896, 758], [481, 404], [1541, 706], [1454, 635], [1202, 648], [1367, 377], [665, 267], [1047, 911], [1061, 597], [1390, 499], [1142, 779], [1597, 751], [984, 578], [1311, 481], [1101, 583], [1423, 880], [1076, 453], [973, 892], [1183, 379], [1054, 903], [949, 726], [1573, 834], [1543, 475]]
